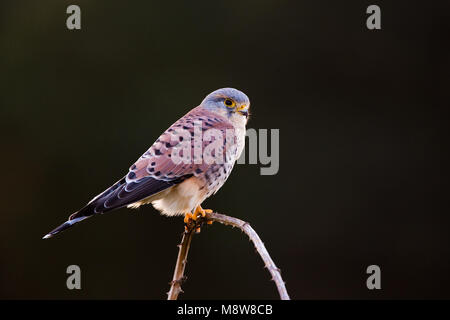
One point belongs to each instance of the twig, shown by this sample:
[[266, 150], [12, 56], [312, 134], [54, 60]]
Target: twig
[[259, 245], [178, 276]]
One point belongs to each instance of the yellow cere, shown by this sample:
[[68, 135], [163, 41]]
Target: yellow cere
[[242, 107]]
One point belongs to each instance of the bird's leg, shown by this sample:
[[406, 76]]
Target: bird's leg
[[199, 211], [190, 219]]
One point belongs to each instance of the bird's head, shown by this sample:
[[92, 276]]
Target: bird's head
[[230, 103]]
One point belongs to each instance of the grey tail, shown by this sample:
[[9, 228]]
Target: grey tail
[[119, 195], [64, 226], [93, 207]]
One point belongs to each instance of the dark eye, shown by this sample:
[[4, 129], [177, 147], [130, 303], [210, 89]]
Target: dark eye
[[229, 103]]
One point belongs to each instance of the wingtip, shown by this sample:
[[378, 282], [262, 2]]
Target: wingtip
[[64, 226], [47, 236]]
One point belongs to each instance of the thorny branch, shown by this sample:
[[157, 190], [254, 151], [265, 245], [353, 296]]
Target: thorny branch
[[178, 275]]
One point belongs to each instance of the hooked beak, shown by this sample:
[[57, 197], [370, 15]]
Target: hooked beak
[[243, 110], [244, 113]]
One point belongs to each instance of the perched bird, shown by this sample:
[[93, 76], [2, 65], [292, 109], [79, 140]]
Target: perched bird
[[188, 163]]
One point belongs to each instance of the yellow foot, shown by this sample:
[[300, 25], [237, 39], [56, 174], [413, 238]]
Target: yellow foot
[[188, 217], [199, 211]]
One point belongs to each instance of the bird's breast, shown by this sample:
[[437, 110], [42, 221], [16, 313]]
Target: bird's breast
[[240, 140]]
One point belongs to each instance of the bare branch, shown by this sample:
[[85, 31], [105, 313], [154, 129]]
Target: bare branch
[[178, 275], [259, 245]]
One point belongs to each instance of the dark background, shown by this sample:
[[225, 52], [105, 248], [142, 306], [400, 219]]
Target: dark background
[[361, 116]]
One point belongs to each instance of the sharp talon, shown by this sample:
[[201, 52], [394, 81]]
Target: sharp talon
[[188, 217], [200, 211]]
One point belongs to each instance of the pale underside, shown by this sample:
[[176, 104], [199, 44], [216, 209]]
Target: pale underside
[[176, 200]]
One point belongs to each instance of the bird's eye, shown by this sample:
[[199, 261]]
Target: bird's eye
[[229, 103]]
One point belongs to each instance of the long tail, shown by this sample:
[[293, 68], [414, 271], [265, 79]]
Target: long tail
[[119, 195], [64, 226], [95, 206]]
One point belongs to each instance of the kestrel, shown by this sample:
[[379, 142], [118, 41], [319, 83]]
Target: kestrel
[[188, 163]]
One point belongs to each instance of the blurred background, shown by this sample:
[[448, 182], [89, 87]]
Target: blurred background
[[361, 115]]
